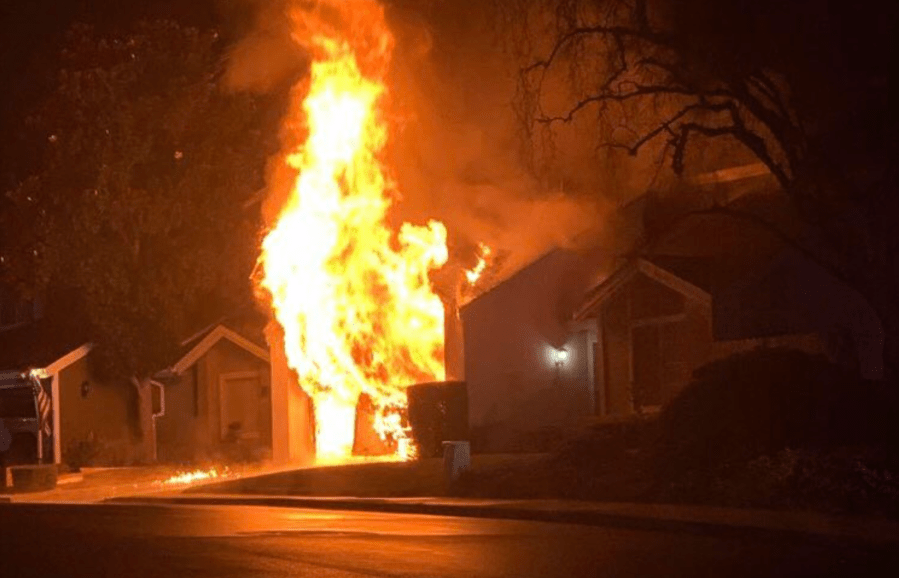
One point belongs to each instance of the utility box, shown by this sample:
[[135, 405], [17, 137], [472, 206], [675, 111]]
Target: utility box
[[456, 459]]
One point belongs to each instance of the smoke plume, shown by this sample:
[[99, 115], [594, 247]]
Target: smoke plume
[[455, 148]]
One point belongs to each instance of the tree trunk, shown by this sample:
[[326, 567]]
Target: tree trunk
[[146, 422]]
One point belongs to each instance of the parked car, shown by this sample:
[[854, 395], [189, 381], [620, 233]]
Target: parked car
[[21, 417]]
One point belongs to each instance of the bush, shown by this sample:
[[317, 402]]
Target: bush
[[82, 453], [760, 403], [840, 480], [846, 480], [437, 412]]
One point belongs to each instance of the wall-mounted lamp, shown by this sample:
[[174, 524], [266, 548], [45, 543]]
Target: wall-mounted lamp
[[561, 356]]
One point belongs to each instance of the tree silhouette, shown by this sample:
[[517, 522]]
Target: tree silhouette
[[806, 88], [138, 219]]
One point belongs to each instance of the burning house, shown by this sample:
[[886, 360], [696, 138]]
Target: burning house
[[355, 312]]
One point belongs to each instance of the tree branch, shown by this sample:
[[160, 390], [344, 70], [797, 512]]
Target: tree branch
[[621, 32], [637, 92]]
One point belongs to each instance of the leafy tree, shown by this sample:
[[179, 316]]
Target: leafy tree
[[807, 88], [140, 221]]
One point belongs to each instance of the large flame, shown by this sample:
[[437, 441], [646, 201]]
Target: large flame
[[352, 296]]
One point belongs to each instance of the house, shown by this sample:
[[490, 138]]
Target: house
[[89, 416], [544, 349], [217, 402], [212, 402], [659, 317]]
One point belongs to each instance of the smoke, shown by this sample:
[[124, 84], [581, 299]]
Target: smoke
[[455, 149], [266, 58]]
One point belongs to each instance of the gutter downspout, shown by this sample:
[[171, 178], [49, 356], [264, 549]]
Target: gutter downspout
[[155, 415]]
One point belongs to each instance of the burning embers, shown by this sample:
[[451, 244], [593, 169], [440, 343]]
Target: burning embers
[[182, 478], [473, 275], [352, 296]]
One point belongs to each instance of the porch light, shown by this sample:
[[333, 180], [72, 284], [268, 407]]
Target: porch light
[[561, 356]]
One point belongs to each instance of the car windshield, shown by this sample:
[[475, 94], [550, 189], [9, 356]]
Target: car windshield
[[17, 402]]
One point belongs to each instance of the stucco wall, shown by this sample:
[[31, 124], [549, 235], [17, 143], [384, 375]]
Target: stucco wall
[[107, 415], [191, 427], [511, 336]]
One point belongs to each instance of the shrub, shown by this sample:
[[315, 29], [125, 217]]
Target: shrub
[[82, 453], [759, 403], [845, 479]]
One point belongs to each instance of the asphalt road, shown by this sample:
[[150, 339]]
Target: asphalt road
[[240, 541]]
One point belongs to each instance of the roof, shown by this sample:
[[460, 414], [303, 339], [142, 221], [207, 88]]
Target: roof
[[198, 345], [698, 271], [40, 344], [695, 285], [580, 268]]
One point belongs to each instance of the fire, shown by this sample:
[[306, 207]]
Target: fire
[[474, 274], [194, 476], [352, 295]]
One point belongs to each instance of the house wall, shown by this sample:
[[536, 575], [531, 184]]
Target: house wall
[[104, 421], [511, 336], [191, 428], [685, 341], [181, 432], [293, 440], [681, 327]]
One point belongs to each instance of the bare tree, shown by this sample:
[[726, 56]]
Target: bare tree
[[803, 87]]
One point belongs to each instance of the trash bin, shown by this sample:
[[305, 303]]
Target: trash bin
[[437, 412], [456, 459]]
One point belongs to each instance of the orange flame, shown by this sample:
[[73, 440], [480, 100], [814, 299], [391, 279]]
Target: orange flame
[[194, 476], [353, 296], [474, 274]]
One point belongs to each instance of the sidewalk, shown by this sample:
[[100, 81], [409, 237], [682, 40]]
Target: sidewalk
[[93, 485], [733, 522]]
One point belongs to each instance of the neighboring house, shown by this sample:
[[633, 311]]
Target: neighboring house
[[659, 317], [89, 416], [543, 350], [213, 402], [217, 399]]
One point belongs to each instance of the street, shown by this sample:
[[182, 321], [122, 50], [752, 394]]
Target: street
[[242, 541]]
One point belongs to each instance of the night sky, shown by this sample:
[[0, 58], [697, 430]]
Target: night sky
[[32, 31]]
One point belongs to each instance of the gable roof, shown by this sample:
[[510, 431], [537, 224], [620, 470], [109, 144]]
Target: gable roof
[[692, 289], [199, 345]]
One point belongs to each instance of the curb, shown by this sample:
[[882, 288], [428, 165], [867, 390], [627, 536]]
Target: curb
[[514, 510]]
